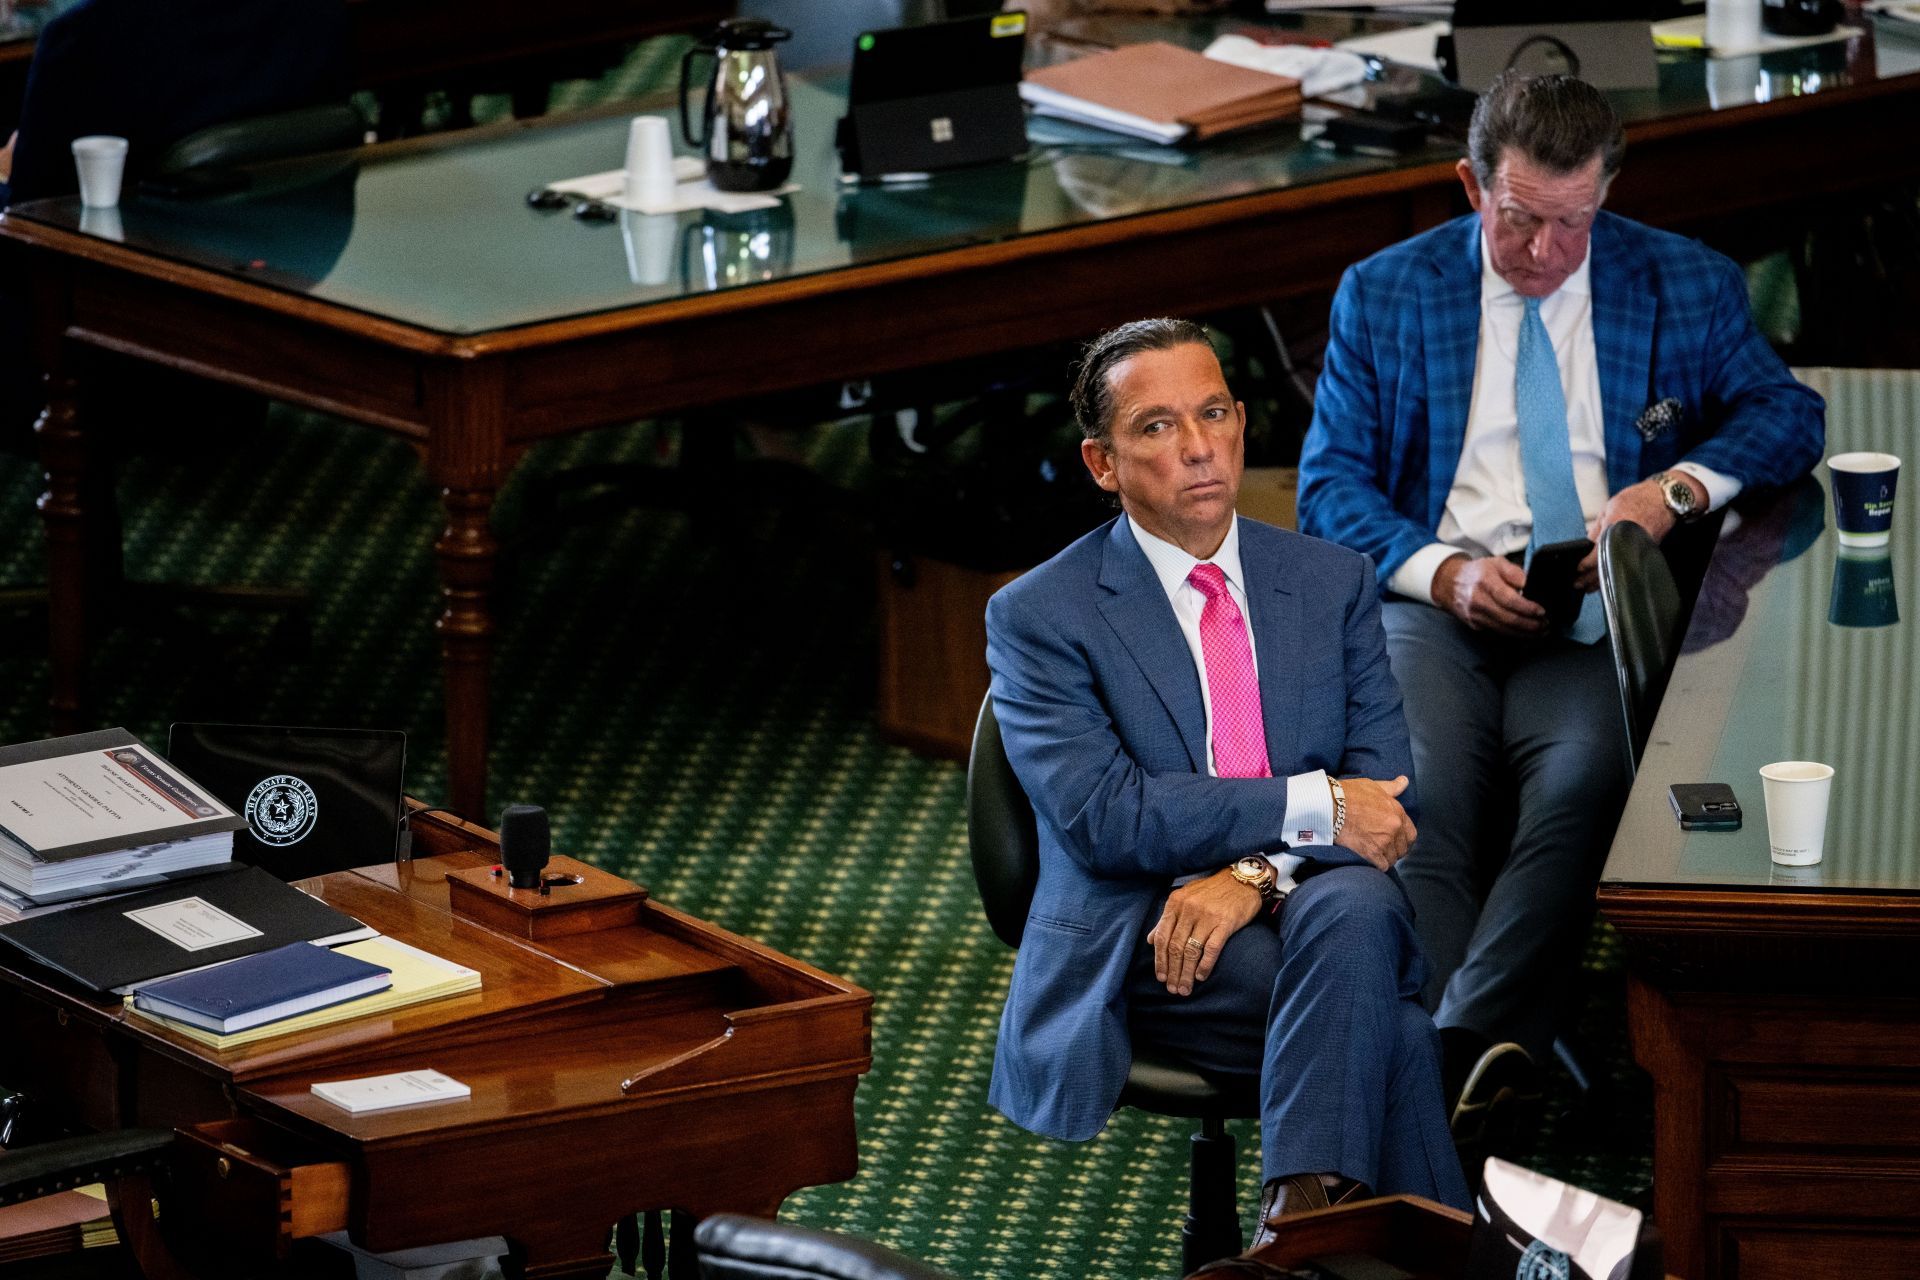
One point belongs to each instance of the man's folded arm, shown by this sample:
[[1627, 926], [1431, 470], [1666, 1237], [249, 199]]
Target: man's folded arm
[[1341, 489], [1118, 819]]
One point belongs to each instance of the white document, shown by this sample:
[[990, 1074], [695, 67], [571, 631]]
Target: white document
[[383, 1093], [1691, 33], [1409, 46], [95, 795], [193, 924], [691, 191]]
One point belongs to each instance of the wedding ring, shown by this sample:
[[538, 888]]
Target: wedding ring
[[1194, 944]]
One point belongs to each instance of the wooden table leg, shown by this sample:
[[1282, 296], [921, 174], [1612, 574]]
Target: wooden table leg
[[63, 509], [467, 551]]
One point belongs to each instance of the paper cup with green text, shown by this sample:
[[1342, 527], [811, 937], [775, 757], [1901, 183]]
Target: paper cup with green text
[[1796, 794]]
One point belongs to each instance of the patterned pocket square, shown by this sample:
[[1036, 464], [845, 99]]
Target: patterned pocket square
[[1658, 418]]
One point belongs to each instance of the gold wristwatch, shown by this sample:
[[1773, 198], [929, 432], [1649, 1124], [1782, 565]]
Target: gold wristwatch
[[1256, 872]]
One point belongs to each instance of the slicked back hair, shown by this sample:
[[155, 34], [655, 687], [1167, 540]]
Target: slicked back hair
[[1092, 395], [1558, 122]]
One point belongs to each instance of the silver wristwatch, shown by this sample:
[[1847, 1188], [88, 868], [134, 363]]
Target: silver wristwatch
[[1679, 498]]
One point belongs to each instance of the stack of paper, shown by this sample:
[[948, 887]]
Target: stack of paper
[[1161, 92], [64, 1222], [418, 976], [99, 813]]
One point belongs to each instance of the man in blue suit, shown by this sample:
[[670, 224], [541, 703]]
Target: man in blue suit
[[1201, 711], [1528, 374]]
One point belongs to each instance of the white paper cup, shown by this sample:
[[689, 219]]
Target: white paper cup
[[650, 163], [651, 239], [104, 223], [1732, 25], [101, 159], [1796, 796]]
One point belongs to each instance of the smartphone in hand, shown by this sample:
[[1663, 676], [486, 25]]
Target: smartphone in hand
[[1550, 577]]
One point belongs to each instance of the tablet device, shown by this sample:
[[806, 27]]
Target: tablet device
[[937, 96], [315, 800], [1550, 580]]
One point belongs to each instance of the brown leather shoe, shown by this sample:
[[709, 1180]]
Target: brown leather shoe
[[1300, 1193]]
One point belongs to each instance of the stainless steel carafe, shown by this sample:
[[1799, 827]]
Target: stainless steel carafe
[[746, 124]]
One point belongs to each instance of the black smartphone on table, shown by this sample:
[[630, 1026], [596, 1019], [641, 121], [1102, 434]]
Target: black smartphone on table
[[1704, 806], [1550, 577]]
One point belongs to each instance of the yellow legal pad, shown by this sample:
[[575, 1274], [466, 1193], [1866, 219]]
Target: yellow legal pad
[[417, 976]]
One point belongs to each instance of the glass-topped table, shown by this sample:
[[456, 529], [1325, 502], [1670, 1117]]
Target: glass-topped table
[[411, 287], [438, 235], [1799, 649], [1778, 1008]]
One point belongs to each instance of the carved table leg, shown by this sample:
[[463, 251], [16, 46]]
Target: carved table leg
[[63, 509], [683, 1261], [467, 551]]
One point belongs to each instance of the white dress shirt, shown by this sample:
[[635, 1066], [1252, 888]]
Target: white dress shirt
[[1486, 512], [1309, 800]]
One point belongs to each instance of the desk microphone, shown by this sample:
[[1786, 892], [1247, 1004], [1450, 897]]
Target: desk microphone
[[525, 841]]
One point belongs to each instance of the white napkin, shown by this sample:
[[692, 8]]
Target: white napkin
[[1319, 71], [691, 191]]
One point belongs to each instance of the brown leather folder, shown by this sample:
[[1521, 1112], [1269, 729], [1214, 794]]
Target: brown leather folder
[[1170, 85]]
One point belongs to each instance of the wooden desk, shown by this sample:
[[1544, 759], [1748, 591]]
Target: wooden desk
[[430, 302], [663, 1065], [1778, 1008]]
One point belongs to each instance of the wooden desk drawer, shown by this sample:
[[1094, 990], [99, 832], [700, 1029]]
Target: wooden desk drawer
[[1821, 1114], [254, 1188]]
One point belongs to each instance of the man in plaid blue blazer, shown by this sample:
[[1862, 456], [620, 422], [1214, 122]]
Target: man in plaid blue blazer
[[1528, 374]]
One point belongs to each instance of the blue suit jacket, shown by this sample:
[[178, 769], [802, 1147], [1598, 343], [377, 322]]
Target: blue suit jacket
[[1670, 320], [1099, 705]]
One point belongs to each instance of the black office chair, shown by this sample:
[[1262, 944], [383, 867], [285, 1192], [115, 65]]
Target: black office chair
[[1005, 845], [234, 144], [735, 1247], [1643, 608]]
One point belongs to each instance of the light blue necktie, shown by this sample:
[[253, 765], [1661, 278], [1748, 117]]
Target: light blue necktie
[[1546, 457]]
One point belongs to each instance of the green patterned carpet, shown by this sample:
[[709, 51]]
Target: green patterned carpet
[[690, 697]]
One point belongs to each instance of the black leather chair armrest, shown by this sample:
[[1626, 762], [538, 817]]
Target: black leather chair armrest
[[734, 1247], [27, 1173]]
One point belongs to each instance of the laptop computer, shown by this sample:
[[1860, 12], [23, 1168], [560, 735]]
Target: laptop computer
[[937, 96], [315, 800], [1607, 43]]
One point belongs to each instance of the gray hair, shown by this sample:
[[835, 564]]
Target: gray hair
[[1092, 397], [1558, 122]]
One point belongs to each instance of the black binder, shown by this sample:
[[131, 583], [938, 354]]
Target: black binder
[[101, 948]]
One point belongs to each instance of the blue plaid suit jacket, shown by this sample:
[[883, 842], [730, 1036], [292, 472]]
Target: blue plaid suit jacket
[[1670, 320], [1099, 706]]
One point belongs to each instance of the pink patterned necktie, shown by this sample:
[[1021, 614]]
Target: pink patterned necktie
[[1239, 732]]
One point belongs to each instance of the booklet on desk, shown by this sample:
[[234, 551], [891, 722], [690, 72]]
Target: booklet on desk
[[160, 932], [1160, 91], [262, 988], [418, 976]]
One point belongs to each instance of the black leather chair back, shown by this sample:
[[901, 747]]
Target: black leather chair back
[[304, 131], [1642, 604], [734, 1247], [1001, 833]]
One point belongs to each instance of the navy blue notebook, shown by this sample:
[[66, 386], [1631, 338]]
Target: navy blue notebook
[[262, 988]]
